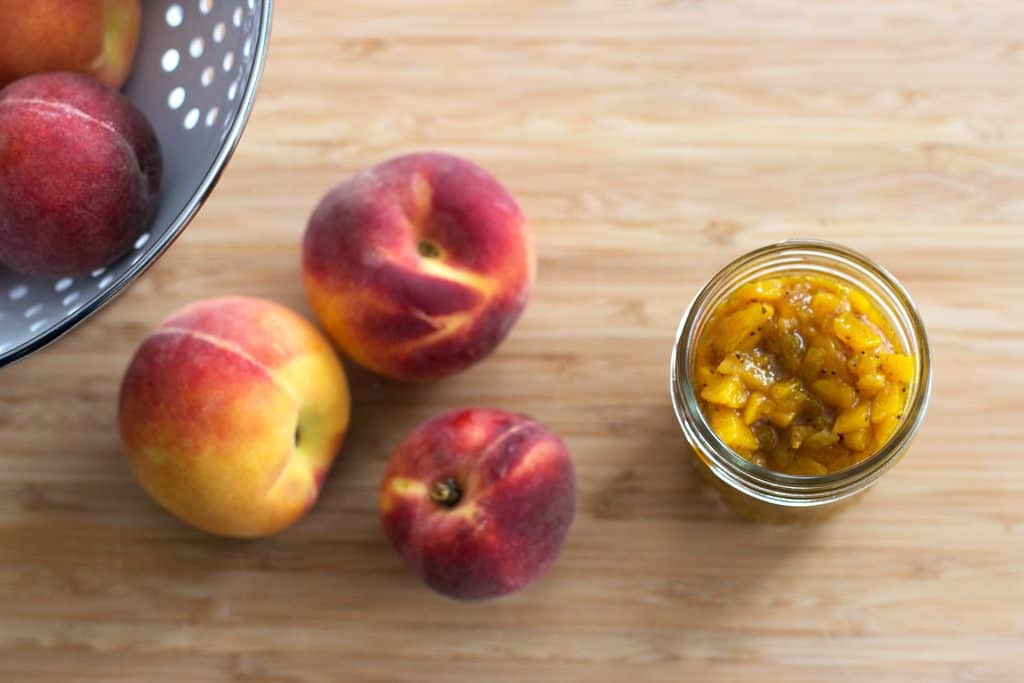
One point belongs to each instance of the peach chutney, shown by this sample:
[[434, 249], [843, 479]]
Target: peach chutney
[[802, 374]]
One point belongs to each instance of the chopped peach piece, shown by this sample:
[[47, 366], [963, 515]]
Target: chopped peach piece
[[861, 304], [826, 304], [789, 389], [852, 419], [835, 392], [742, 330], [726, 391], [814, 362], [857, 440], [888, 403], [808, 468], [758, 405], [821, 439], [798, 434], [745, 367], [869, 385], [731, 429], [782, 418], [898, 367], [762, 290], [864, 363], [884, 429], [856, 333]]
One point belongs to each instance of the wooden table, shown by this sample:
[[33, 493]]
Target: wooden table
[[649, 142]]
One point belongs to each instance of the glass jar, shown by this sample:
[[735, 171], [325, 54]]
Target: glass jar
[[757, 492]]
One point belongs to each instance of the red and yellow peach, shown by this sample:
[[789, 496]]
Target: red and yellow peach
[[478, 502], [418, 267], [94, 37], [231, 414]]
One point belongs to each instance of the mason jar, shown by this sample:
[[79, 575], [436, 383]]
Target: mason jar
[[755, 491]]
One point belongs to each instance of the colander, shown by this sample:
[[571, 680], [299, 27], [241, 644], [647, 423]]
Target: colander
[[195, 76]]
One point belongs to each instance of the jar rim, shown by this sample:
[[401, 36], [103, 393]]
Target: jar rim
[[761, 482]]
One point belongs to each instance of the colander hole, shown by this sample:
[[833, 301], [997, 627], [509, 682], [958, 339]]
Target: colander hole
[[252, 4], [211, 116], [37, 325], [70, 299], [33, 311], [105, 282], [141, 242], [176, 98], [229, 61], [175, 15], [247, 47], [170, 60], [96, 273], [206, 78], [63, 284], [236, 18], [233, 90], [17, 292], [191, 119], [196, 47], [219, 31], [205, 6]]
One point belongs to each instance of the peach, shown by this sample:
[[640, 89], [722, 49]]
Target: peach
[[93, 37], [478, 502], [231, 414], [419, 267], [80, 170]]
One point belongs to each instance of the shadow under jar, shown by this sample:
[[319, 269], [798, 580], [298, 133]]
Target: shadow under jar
[[755, 491]]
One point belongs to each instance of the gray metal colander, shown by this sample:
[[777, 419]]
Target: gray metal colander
[[195, 77]]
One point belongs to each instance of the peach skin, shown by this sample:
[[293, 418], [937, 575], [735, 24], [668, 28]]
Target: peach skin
[[419, 267], [97, 38], [80, 172], [231, 414], [478, 502]]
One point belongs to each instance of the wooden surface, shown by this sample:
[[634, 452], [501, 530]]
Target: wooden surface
[[649, 141]]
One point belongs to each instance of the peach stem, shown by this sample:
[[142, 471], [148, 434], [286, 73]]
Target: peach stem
[[428, 249], [446, 492]]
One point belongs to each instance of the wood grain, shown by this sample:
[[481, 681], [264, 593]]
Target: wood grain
[[650, 142]]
